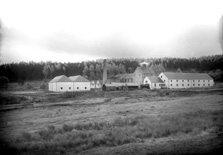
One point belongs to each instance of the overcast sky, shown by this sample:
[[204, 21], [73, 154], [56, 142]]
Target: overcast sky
[[90, 29]]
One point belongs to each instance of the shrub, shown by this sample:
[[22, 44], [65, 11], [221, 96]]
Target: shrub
[[26, 136], [43, 86], [67, 128], [46, 134]]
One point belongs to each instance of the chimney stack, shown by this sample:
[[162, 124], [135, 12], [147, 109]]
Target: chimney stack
[[104, 71]]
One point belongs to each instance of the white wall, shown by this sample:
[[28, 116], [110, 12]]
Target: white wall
[[64, 86], [69, 86], [152, 85], [180, 83], [82, 86], [137, 76], [164, 79], [185, 83], [93, 85], [50, 86], [98, 85]]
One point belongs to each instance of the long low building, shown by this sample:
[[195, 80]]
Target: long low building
[[73, 83], [186, 80]]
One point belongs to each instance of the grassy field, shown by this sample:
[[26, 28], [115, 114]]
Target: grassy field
[[186, 121]]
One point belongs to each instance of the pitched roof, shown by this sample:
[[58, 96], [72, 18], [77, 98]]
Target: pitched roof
[[145, 71], [119, 75], [188, 76], [124, 76], [155, 79], [128, 76], [78, 78], [96, 81], [61, 78]]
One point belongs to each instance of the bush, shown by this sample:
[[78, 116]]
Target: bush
[[26, 136], [44, 86], [68, 128]]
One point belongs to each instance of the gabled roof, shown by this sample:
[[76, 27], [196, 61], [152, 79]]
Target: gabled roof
[[188, 76], [78, 78], [145, 71], [96, 81], [124, 76], [128, 76], [155, 79], [61, 78], [119, 75]]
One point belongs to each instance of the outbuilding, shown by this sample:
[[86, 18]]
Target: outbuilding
[[153, 82], [96, 84], [80, 83], [61, 84]]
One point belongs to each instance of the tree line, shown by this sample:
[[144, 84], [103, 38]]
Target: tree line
[[92, 70]]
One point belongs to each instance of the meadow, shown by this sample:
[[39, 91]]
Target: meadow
[[187, 121]]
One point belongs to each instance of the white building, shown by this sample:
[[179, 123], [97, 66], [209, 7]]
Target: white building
[[153, 82], [186, 80], [60, 84], [80, 83], [96, 84]]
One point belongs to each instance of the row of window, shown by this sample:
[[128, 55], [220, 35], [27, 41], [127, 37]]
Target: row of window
[[70, 88], [159, 84], [189, 80], [193, 85]]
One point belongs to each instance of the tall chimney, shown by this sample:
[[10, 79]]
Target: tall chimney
[[104, 71]]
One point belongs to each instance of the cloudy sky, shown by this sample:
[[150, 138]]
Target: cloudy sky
[[78, 30]]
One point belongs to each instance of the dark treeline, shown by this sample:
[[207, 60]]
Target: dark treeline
[[15, 72]]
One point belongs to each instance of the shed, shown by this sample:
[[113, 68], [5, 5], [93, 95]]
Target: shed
[[153, 82], [96, 83], [61, 83], [80, 83]]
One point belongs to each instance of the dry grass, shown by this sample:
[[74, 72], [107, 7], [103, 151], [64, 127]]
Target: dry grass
[[84, 136], [110, 120]]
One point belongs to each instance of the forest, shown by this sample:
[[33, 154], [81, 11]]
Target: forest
[[92, 70]]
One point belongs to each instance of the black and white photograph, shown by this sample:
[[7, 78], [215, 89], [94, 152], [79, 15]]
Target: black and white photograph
[[111, 77]]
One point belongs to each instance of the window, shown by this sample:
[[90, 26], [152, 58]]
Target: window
[[203, 84], [188, 80], [163, 80], [182, 80], [193, 80], [171, 80], [193, 84], [198, 80], [208, 80], [203, 80], [77, 87], [61, 88], [182, 84], [171, 85], [176, 84], [146, 81], [69, 87], [188, 84], [161, 76], [155, 85], [208, 84], [85, 87], [177, 80], [198, 84]]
